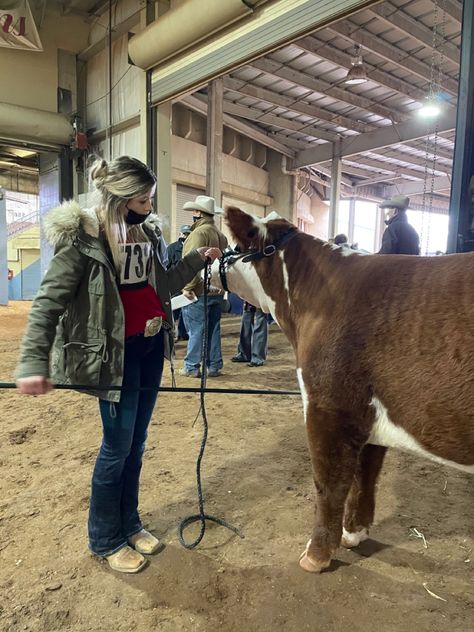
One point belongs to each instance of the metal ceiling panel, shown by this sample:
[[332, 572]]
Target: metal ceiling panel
[[301, 84], [273, 25]]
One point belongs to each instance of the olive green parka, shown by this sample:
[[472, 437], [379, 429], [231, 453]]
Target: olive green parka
[[76, 329]]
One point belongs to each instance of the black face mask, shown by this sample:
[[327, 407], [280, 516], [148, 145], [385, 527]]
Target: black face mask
[[196, 218], [133, 217]]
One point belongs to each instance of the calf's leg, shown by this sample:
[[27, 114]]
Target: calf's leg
[[360, 503], [335, 442]]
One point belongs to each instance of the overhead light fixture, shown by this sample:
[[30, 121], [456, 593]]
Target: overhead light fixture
[[356, 73], [432, 106]]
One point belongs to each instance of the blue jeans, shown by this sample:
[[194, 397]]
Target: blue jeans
[[194, 319], [253, 339], [113, 514], [180, 329]]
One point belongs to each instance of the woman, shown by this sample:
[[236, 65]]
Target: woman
[[103, 312]]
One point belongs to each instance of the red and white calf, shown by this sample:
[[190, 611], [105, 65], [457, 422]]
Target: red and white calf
[[385, 358]]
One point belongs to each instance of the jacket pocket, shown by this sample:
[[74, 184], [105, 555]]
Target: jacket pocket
[[83, 361]]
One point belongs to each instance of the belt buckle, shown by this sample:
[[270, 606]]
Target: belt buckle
[[153, 326]]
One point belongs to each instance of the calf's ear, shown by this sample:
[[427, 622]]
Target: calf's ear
[[241, 226]]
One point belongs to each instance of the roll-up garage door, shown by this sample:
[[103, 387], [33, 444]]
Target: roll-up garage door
[[185, 194], [271, 25]]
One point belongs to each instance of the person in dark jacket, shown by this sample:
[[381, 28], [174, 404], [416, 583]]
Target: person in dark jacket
[[175, 250], [399, 238], [341, 240], [175, 254]]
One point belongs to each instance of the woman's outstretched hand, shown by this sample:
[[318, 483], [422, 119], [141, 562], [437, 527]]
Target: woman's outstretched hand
[[209, 253]]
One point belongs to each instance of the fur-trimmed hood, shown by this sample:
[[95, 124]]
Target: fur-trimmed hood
[[65, 221]]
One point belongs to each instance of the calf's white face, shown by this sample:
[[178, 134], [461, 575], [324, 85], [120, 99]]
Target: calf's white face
[[243, 280]]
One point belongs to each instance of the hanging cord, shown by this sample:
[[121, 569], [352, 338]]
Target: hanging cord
[[109, 43], [431, 146], [202, 516]]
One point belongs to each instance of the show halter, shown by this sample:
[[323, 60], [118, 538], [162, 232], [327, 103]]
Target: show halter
[[229, 257]]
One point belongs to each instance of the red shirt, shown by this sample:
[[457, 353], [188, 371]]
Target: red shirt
[[140, 300]]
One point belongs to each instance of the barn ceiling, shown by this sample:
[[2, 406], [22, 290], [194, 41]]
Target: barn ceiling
[[296, 96]]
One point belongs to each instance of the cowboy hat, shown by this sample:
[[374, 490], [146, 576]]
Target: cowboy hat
[[205, 204], [397, 201]]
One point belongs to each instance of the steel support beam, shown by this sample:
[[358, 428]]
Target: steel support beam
[[147, 111], [454, 8], [442, 183], [254, 114], [215, 133], [245, 129], [336, 172], [301, 107], [350, 228], [327, 171], [376, 180], [3, 249], [461, 211], [398, 133], [163, 129]]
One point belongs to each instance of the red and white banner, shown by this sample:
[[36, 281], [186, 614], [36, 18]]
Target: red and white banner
[[17, 26]]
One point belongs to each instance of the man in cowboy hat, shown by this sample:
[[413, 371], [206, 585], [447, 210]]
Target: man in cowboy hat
[[204, 232], [399, 238]]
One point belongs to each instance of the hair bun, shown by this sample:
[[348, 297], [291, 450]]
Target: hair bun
[[99, 170]]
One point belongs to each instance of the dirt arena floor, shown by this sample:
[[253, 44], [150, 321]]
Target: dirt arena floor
[[256, 475]]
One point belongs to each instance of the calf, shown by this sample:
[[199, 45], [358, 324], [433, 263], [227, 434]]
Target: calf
[[384, 347]]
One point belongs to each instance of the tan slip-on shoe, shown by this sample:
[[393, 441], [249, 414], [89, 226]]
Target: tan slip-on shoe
[[126, 560], [144, 542]]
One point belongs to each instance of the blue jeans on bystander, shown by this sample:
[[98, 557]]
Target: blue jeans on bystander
[[253, 340], [180, 328], [113, 514], [194, 319]]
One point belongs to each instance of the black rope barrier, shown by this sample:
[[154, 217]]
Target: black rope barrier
[[164, 389]]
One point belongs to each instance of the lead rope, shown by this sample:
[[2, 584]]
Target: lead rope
[[202, 517]]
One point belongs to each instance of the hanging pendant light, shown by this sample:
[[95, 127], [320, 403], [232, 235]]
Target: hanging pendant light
[[432, 106], [356, 73]]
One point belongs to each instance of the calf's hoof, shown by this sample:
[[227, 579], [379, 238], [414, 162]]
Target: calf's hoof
[[311, 565]]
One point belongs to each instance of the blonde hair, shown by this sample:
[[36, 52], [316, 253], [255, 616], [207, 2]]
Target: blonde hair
[[118, 181]]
